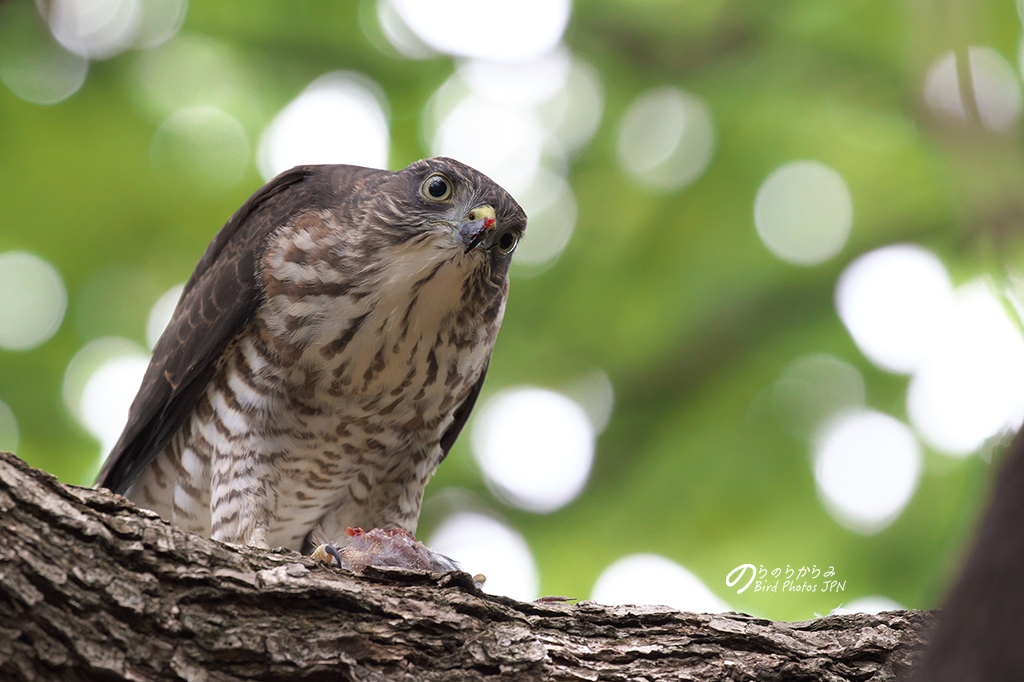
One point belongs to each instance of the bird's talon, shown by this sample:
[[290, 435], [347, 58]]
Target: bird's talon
[[327, 554]]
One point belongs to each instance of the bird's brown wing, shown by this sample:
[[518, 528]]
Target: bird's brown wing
[[218, 300], [462, 414]]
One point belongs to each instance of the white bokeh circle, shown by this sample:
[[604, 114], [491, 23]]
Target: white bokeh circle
[[499, 30], [870, 604], [867, 466], [666, 139], [341, 117], [803, 212], [101, 382], [203, 143], [892, 301], [33, 300], [812, 390], [482, 544], [994, 84], [968, 386], [160, 314], [651, 579], [534, 446]]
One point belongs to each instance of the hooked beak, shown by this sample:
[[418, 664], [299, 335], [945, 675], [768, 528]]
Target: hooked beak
[[478, 224]]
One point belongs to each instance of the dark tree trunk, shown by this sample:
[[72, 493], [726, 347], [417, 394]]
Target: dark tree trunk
[[980, 635], [91, 588]]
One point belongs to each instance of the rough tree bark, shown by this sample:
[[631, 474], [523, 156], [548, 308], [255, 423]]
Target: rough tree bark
[[92, 588]]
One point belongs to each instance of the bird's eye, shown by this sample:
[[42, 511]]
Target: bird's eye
[[506, 243], [436, 188]]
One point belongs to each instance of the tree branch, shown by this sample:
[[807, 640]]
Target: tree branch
[[92, 588]]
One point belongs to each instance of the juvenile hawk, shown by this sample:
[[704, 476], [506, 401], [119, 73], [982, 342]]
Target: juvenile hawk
[[324, 356]]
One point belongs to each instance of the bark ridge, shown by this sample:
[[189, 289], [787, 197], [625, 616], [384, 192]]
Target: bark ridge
[[93, 588]]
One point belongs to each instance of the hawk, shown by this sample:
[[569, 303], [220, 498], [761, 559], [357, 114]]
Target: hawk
[[324, 355]]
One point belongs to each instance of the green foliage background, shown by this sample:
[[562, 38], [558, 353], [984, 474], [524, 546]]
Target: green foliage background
[[674, 296]]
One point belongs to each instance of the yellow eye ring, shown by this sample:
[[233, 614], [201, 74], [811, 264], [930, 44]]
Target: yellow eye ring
[[506, 243], [437, 187]]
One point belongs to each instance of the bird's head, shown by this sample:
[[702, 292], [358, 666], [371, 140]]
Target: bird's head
[[444, 204]]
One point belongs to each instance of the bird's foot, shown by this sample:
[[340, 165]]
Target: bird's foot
[[391, 547]]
